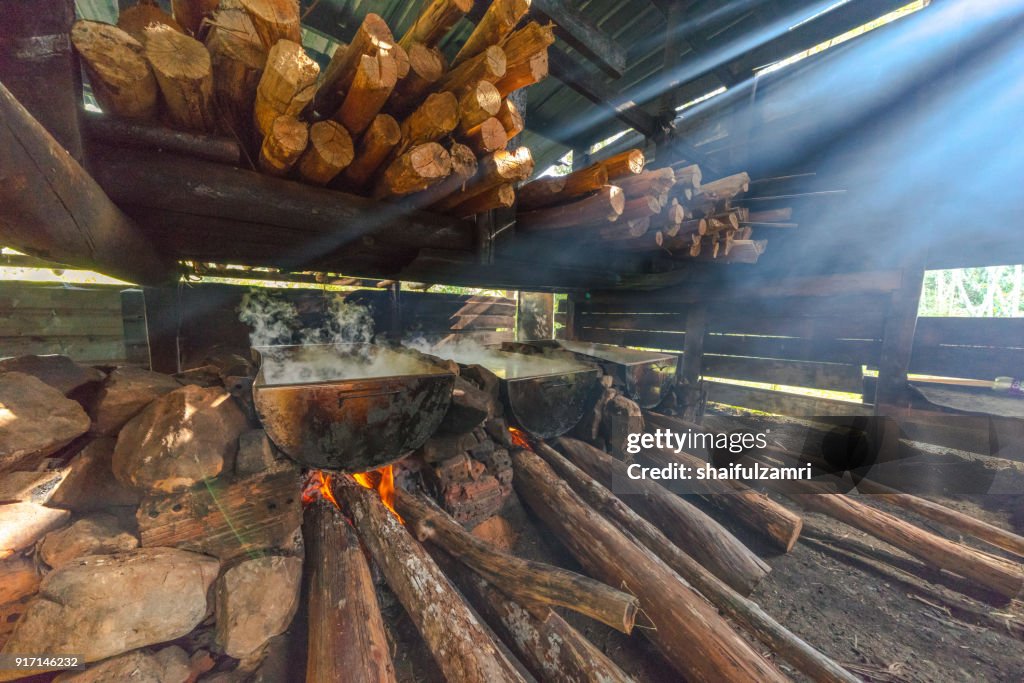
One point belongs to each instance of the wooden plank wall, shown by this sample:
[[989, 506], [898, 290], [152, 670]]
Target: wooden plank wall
[[83, 322]]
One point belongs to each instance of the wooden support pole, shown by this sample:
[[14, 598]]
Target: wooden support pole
[[693, 359], [39, 67], [898, 339], [706, 540], [526, 580], [742, 610], [687, 630], [111, 130], [55, 211], [460, 646], [346, 630]]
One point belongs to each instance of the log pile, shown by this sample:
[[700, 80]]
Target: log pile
[[620, 204], [389, 117]]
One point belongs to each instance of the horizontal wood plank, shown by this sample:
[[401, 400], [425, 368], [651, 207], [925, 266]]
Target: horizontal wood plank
[[781, 403], [42, 323], [852, 351], [974, 362], [998, 332], [19, 297], [831, 376]]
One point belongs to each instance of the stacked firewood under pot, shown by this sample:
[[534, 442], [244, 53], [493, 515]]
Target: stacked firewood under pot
[[386, 118], [618, 204]]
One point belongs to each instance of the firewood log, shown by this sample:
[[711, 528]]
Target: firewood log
[[478, 103], [462, 649], [464, 166], [725, 188], [601, 207], [640, 207], [653, 240], [706, 540], [670, 218], [543, 641], [756, 511], [745, 612], [371, 151], [548, 191], [329, 152], [121, 78], [402, 62], [995, 573], [732, 251], [185, 75], [498, 197], [346, 631], [523, 44], [510, 118], [133, 20], [191, 13], [532, 582], [721, 222], [498, 21], [426, 66], [497, 168], [518, 76], [647, 183], [372, 37], [237, 56], [687, 630], [624, 164], [488, 66], [435, 20], [487, 137], [688, 177], [375, 78], [287, 85], [624, 229], [432, 120], [283, 144], [415, 170], [274, 20], [771, 215]]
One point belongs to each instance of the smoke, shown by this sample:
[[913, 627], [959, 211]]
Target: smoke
[[274, 320], [504, 364]]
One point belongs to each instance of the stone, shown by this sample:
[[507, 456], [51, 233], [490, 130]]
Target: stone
[[443, 446], [22, 524], [99, 534], [484, 379], [182, 438], [89, 483], [169, 665], [18, 578], [60, 372], [35, 420], [497, 429], [255, 452], [470, 406], [105, 605], [123, 396], [255, 601], [37, 486]]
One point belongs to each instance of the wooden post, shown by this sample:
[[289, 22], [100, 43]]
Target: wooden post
[[898, 339], [39, 67], [163, 320], [693, 357]]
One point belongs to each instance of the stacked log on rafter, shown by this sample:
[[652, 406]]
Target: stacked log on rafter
[[667, 210], [383, 118]]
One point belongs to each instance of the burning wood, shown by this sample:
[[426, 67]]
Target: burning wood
[[346, 630]]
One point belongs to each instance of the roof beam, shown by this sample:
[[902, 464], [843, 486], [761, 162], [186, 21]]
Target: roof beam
[[583, 35], [574, 75]]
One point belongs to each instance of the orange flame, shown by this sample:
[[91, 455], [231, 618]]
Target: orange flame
[[318, 486], [519, 438], [382, 481]]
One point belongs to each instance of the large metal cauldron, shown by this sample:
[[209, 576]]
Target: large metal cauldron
[[349, 407], [645, 375], [546, 396]]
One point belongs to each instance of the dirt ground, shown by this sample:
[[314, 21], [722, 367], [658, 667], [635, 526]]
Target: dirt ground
[[881, 613]]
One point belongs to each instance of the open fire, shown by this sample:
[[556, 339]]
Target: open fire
[[318, 485]]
